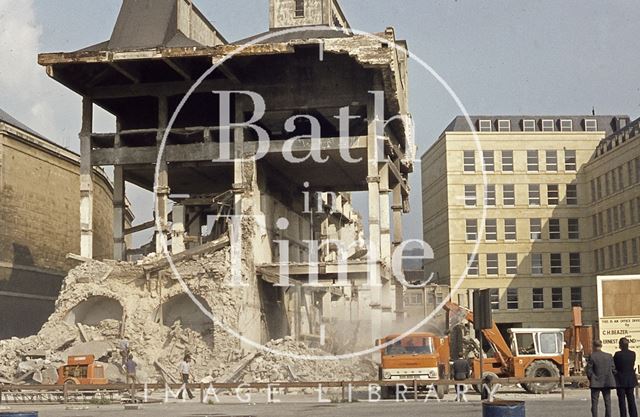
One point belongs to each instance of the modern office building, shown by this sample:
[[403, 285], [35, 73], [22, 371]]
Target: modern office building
[[512, 211]]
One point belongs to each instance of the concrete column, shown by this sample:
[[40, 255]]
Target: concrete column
[[119, 207], [86, 180], [178, 229], [397, 211], [373, 182], [385, 223], [238, 175], [162, 187]]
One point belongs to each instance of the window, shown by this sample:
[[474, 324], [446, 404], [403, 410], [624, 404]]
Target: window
[[552, 161], [512, 298], [634, 250], [536, 264], [574, 228], [528, 125], [507, 161], [607, 188], [510, 229], [621, 178], [614, 181], [632, 211], [576, 297], [491, 230], [599, 188], [616, 218], [548, 125], [556, 263], [535, 226], [488, 161], [625, 253], [601, 223], [492, 264], [494, 296], [472, 264], [413, 299], [572, 194], [566, 125], [594, 226], [618, 255], [554, 229], [630, 172], [637, 169], [611, 263], [509, 195], [532, 161], [472, 229], [574, 263], [512, 263], [623, 216], [557, 298], [504, 126], [299, 8], [470, 199], [596, 261], [469, 161], [570, 161], [553, 194], [593, 191], [538, 298], [484, 125], [490, 195], [590, 125], [609, 220], [534, 194]]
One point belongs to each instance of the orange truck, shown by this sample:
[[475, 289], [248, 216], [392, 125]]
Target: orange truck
[[82, 370], [419, 356]]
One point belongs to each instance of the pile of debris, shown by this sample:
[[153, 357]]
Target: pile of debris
[[294, 361], [103, 303]]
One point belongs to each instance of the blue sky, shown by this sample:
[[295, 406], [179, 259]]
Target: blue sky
[[500, 56]]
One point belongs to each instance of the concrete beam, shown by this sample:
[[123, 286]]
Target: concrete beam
[[162, 190], [119, 209]]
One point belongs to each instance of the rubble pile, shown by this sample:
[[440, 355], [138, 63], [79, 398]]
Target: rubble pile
[[272, 366], [103, 303]]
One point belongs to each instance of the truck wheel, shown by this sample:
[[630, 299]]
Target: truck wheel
[[541, 369], [485, 375]]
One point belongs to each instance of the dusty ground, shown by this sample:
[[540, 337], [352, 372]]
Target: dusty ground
[[575, 405]]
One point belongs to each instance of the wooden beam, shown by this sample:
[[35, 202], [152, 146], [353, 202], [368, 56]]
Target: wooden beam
[[128, 74], [140, 227], [210, 247], [179, 69]]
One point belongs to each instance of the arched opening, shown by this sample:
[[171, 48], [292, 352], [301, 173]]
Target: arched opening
[[94, 310], [181, 308]]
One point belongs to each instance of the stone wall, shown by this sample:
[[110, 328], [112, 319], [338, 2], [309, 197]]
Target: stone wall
[[39, 225]]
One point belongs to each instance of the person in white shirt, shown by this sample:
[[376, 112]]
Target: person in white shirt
[[185, 371]]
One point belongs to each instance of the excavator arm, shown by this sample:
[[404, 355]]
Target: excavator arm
[[492, 335]]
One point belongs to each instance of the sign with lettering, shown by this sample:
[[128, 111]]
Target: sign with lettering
[[612, 329]]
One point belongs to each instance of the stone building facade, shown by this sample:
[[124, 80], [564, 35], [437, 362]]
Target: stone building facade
[[529, 178], [39, 183]]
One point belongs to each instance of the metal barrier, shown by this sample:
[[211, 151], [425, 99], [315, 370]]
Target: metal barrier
[[76, 393]]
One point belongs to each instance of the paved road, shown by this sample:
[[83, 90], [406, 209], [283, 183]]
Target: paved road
[[575, 405]]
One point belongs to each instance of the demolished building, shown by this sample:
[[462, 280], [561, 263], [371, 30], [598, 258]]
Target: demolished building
[[294, 217]]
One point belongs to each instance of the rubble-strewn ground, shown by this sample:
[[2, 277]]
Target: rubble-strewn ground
[[158, 348]]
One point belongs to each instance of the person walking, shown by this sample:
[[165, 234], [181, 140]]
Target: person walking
[[130, 367], [600, 371], [461, 371], [185, 372], [627, 381]]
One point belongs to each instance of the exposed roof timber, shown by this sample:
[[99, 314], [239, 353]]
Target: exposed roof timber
[[179, 69], [129, 74]]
